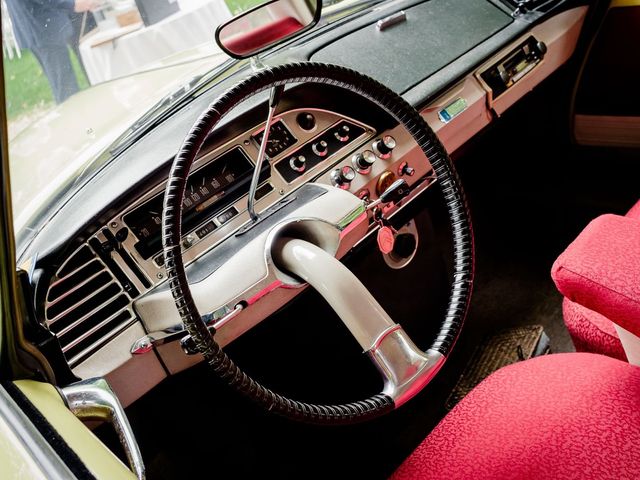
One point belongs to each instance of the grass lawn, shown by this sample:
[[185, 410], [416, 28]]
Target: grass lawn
[[27, 88], [237, 6]]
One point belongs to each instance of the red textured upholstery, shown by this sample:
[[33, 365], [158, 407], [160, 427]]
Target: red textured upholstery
[[601, 270], [634, 212], [591, 332], [562, 416]]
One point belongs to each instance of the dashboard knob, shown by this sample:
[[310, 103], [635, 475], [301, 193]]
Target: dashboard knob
[[188, 241], [406, 169], [342, 134], [320, 148], [342, 177], [384, 146], [306, 121], [298, 163], [362, 161]]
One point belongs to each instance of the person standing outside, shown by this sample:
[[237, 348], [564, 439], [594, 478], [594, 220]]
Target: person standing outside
[[44, 27]]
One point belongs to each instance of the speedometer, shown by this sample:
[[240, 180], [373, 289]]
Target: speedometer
[[210, 189]]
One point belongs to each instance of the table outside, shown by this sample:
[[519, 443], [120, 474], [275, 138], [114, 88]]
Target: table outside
[[122, 51]]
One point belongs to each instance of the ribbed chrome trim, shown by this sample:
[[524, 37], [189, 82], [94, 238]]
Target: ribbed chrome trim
[[76, 359], [67, 333], [92, 330], [73, 289], [72, 308], [73, 272], [66, 330]]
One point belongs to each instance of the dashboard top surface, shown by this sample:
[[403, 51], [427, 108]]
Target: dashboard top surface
[[147, 161], [444, 29]]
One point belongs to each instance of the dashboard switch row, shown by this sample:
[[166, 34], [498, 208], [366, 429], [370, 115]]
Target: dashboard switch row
[[317, 150]]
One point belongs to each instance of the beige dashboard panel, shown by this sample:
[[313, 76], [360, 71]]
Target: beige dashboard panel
[[129, 376], [560, 34], [96, 457], [472, 120]]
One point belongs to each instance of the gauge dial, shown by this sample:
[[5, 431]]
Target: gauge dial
[[280, 138], [225, 177]]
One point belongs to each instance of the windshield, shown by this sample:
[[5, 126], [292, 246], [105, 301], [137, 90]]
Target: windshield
[[81, 74]]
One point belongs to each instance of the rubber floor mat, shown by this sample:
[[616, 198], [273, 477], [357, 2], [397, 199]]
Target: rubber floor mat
[[499, 350]]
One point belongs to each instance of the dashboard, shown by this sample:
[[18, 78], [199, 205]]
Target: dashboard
[[106, 298]]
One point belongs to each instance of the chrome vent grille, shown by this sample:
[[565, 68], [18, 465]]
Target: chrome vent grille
[[86, 305], [536, 5]]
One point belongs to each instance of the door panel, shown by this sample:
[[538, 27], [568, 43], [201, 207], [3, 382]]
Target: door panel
[[607, 99], [96, 457]]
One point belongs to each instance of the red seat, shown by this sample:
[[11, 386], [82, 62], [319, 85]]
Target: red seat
[[591, 331], [561, 416]]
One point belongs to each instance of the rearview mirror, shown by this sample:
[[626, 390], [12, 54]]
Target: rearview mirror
[[267, 25]]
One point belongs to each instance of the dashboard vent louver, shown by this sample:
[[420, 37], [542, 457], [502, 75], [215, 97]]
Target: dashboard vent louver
[[537, 5], [86, 305]]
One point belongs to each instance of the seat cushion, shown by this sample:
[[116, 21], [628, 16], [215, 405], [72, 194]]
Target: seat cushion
[[591, 332], [634, 212], [600, 270], [561, 416]]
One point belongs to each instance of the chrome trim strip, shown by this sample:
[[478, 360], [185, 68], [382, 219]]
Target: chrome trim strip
[[78, 286], [391, 20], [75, 305], [76, 359], [93, 329], [75, 252], [73, 272], [229, 316], [176, 332]]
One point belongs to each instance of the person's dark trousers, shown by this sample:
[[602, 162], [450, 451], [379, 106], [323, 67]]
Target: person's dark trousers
[[56, 64]]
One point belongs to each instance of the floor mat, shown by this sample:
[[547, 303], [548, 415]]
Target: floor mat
[[497, 351]]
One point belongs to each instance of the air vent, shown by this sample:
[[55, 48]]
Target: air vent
[[86, 305], [529, 5]]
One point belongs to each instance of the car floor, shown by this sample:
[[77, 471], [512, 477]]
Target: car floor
[[531, 192]]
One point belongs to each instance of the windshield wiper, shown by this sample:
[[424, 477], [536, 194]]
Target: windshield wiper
[[165, 107], [147, 121]]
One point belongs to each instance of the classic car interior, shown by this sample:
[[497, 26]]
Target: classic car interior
[[411, 172]]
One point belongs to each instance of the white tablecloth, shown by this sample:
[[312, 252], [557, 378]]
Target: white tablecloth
[[193, 25]]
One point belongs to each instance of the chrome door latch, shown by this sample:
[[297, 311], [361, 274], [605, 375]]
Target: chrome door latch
[[93, 399]]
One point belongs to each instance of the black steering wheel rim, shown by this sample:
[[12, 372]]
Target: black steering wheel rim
[[448, 181]]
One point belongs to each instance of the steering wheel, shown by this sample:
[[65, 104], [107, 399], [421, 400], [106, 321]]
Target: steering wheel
[[405, 368]]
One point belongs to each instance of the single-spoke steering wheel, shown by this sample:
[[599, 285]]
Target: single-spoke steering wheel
[[405, 368]]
